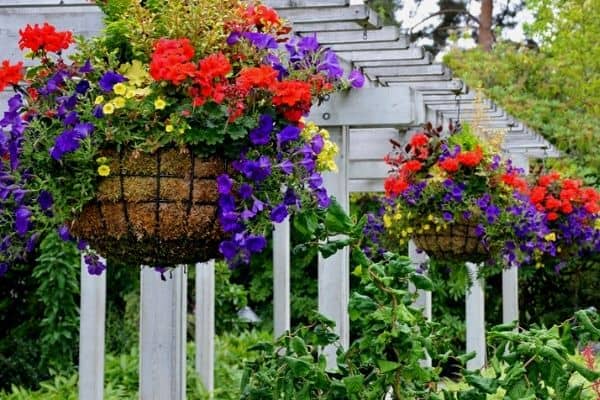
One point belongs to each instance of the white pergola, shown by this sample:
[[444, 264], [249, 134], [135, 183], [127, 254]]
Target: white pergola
[[405, 89]]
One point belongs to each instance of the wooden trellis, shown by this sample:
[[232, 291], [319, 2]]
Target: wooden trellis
[[405, 89]]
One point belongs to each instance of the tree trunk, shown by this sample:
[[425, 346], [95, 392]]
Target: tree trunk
[[486, 37]]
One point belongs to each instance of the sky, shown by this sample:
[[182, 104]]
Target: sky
[[411, 15]]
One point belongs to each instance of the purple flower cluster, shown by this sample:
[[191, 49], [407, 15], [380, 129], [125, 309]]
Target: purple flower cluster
[[250, 199], [20, 200]]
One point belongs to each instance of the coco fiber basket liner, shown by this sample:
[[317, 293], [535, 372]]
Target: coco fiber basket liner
[[154, 209], [458, 242]]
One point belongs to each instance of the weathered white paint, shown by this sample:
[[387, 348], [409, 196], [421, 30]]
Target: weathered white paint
[[334, 272], [281, 278], [91, 334], [163, 334], [205, 323], [475, 321]]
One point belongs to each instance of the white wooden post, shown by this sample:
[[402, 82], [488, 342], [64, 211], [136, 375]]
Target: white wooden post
[[510, 275], [163, 334], [281, 278], [423, 300], [334, 272], [475, 310], [91, 334], [205, 323]]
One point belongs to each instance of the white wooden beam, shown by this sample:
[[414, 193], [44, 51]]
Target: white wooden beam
[[475, 311], [281, 278], [163, 334], [334, 271], [205, 324], [367, 107], [91, 334]]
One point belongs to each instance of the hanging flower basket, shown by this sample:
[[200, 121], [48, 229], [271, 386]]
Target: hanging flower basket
[[155, 209], [458, 241]]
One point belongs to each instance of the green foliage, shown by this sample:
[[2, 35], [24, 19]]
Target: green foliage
[[57, 275], [121, 374], [392, 340], [538, 89]]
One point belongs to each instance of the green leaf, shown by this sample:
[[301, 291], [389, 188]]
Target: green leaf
[[421, 281], [336, 219], [354, 384], [486, 385], [387, 366], [298, 346]]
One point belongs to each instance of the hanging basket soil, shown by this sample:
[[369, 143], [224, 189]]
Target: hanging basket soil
[[154, 209], [458, 242]]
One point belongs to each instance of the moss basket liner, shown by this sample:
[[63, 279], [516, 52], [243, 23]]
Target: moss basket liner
[[458, 242], [154, 209]]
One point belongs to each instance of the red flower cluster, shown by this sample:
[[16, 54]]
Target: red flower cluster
[[10, 74], [211, 79], [555, 196], [395, 185], [469, 159], [293, 98], [171, 60], [44, 38], [514, 180], [261, 15], [263, 77]]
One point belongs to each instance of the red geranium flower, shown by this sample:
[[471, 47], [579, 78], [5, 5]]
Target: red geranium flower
[[44, 37], [395, 185], [263, 77], [513, 180], [413, 166], [419, 140], [538, 194], [171, 60], [10, 74], [450, 164], [546, 180], [470, 158]]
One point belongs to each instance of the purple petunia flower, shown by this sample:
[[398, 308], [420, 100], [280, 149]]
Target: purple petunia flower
[[256, 244], [315, 180], [86, 68], [226, 203], [82, 87], [97, 112], [95, 266], [233, 38], [356, 79], [290, 198], [45, 200], [288, 134], [82, 245], [257, 170], [71, 119], [287, 166], [261, 40], [32, 242], [3, 268], [447, 216], [279, 213], [309, 44], [317, 143], [330, 64], [64, 234], [245, 191], [228, 248], [109, 80], [261, 135], [224, 184], [22, 220], [323, 198], [308, 164]]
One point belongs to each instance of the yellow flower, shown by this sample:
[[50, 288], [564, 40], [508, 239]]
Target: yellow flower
[[404, 234], [120, 89], [102, 160], [551, 237], [142, 92], [130, 93], [430, 217], [169, 128], [104, 170], [135, 72], [387, 221], [108, 108], [118, 102], [397, 217], [181, 130], [160, 104], [409, 230], [99, 100], [539, 265], [426, 227]]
